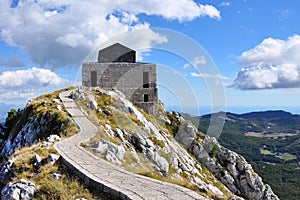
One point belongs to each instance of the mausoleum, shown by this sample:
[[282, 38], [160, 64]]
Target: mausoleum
[[117, 69]]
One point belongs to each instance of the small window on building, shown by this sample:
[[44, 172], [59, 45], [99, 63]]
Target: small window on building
[[146, 97], [145, 79]]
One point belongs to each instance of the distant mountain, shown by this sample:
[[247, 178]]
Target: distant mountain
[[269, 140]]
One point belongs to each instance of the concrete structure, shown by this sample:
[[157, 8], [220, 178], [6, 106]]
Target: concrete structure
[[117, 69]]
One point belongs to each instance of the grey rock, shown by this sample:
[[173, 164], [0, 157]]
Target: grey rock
[[52, 158], [161, 162], [37, 161], [110, 151], [56, 175], [92, 103], [108, 130], [186, 135], [53, 138], [120, 134], [138, 142], [174, 161], [58, 107], [19, 190], [106, 112], [56, 100], [6, 171]]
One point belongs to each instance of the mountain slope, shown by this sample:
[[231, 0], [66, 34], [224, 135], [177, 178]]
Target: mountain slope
[[270, 141], [165, 147]]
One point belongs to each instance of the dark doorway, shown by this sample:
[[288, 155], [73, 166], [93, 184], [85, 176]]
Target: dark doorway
[[93, 79], [145, 79], [146, 97]]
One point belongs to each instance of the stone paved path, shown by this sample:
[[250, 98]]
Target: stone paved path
[[105, 176]]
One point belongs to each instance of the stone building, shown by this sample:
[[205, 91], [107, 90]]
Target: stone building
[[117, 69]]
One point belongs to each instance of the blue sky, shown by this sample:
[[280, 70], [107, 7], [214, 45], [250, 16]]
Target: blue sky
[[250, 48]]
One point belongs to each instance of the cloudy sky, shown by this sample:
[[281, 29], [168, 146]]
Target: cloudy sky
[[253, 47]]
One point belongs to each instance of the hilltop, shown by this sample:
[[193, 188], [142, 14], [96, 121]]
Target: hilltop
[[164, 146]]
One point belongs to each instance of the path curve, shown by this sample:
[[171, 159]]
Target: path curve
[[105, 176]]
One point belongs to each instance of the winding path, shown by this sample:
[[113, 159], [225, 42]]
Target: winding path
[[105, 176]]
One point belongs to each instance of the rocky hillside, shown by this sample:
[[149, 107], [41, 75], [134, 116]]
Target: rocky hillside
[[166, 147], [30, 166], [269, 140]]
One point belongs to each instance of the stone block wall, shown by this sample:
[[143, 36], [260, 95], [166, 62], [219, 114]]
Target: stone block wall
[[127, 78]]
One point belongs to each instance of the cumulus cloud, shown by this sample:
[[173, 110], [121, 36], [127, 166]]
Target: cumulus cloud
[[13, 62], [60, 33], [274, 63], [27, 83]]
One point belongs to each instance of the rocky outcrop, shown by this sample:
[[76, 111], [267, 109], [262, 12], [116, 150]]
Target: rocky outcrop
[[19, 190], [30, 128], [232, 170], [110, 151], [6, 171]]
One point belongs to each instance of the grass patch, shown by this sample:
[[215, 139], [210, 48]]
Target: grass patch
[[47, 187], [157, 142], [287, 157]]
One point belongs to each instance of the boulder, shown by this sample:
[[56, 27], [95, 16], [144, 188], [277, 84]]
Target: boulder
[[6, 171], [58, 107], [138, 141], [110, 151], [52, 158], [108, 130], [55, 100], [106, 112], [19, 190], [161, 163], [56, 175], [37, 161], [53, 138], [186, 135], [120, 134], [92, 103]]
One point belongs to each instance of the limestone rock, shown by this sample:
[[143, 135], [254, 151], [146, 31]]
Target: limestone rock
[[56, 175], [108, 130], [37, 161], [161, 162], [52, 158], [186, 135], [110, 151], [120, 134], [92, 103], [19, 190], [53, 138], [6, 171], [56, 100]]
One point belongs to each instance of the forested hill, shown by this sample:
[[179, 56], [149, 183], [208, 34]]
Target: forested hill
[[270, 140]]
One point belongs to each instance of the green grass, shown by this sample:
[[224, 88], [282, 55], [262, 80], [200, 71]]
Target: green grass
[[157, 142]]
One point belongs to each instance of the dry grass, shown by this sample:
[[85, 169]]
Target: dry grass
[[46, 186]]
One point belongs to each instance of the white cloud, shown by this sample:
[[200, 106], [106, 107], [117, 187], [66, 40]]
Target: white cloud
[[204, 75], [60, 33], [274, 63], [27, 83], [185, 66], [199, 61]]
